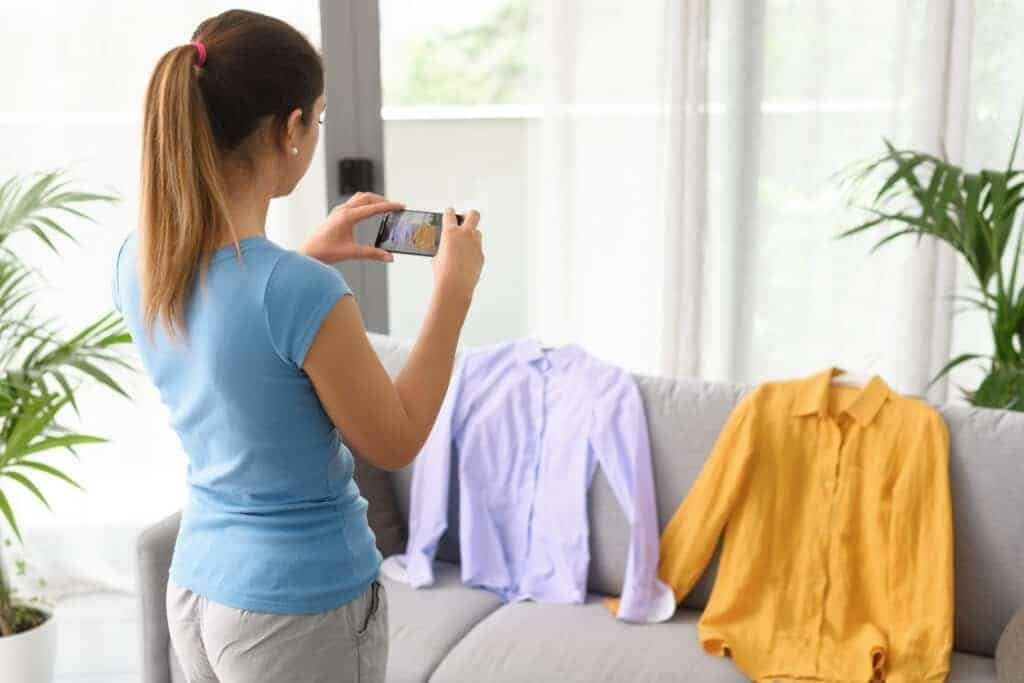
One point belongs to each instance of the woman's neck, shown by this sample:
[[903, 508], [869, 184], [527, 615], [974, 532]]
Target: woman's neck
[[247, 208]]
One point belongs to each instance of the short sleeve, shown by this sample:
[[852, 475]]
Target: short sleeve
[[299, 294], [115, 289]]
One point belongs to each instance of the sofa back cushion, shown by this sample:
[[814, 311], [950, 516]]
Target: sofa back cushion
[[986, 471], [684, 418]]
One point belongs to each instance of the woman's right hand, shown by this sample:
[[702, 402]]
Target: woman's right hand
[[460, 257]]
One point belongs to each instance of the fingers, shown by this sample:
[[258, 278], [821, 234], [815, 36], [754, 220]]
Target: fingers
[[366, 210], [469, 221], [374, 254], [448, 220], [364, 198], [360, 198], [357, 199]]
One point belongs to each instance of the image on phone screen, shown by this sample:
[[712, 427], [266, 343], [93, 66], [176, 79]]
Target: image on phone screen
[[411, 232]]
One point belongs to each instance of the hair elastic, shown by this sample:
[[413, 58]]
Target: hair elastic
[[201, 49]]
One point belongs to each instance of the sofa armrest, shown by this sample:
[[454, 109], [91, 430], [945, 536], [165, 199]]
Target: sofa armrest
[[1010, 651], [154, 548]]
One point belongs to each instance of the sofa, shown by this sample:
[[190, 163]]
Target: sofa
[[449, 632]]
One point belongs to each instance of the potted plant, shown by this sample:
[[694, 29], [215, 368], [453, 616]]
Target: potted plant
[[40, 371], [976, 214]]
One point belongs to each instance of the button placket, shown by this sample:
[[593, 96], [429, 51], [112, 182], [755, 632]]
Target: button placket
[[833, 446], [538, 389]]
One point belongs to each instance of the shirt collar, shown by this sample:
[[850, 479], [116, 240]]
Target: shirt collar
[[529, 350], [812, 396]]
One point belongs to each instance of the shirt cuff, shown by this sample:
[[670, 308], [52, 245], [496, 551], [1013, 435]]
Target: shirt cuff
[[661, 607], [412, 569]]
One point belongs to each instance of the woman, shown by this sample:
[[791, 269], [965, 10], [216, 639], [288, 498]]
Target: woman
[[261, 356]]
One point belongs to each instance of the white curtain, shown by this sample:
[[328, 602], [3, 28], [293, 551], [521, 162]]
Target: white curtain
[[684, 169], [616, 174], [73, 86]]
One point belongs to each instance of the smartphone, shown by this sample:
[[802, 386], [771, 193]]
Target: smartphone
[[411, 232]]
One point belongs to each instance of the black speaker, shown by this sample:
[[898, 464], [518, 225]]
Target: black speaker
[[355, 174]]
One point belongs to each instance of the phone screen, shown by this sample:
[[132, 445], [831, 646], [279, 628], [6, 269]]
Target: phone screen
[[411, 232]]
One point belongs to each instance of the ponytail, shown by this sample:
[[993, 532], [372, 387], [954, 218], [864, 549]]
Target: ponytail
[[183, 206], [203, 104]]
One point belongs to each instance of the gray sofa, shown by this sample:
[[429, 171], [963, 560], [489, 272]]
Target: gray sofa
[[449, 632]]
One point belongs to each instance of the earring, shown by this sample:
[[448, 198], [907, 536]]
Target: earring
[[295, 150]]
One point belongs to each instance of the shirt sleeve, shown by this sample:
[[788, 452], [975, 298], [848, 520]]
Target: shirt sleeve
[[300, 292], [115, 288], [921, 556], [429, 491], [621, 443], [689, 540]]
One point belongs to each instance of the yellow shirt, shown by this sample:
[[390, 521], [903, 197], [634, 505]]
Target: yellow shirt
[[837, 560]]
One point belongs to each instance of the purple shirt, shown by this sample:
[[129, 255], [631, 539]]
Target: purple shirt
[[530, 426]]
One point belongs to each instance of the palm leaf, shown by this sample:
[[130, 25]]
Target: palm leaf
[[975, 214], [49, 470], [27, 483], [5, 508], [40, 367], [959, 360]]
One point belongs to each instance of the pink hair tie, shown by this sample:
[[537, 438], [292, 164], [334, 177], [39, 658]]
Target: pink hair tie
[[201, 49]]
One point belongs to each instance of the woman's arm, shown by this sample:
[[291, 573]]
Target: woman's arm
[[388, 422]]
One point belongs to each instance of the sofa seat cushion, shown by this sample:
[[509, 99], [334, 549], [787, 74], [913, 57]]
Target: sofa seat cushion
[[529, 641], [967, 668], [425, 623]]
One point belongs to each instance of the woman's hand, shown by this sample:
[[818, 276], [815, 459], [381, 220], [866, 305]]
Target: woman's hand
[[460, 258], [335, 240]]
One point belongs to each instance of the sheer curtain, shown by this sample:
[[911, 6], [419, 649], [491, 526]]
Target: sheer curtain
[[833, 78], [684, 179], [72, 96], [616, 181]]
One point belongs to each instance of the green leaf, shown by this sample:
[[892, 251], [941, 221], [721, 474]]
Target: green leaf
[[1016, 141], [52, 442], [1002, 389], [962, 358], [66, 387], [39, 414], [882, 242], [37, 231], [49, 470], [52, 225], [24, 481], [5, 507], [100, 376]]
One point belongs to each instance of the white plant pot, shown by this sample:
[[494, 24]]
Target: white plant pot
[[28, 657]]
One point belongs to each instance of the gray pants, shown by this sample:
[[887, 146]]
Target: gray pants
[[220, 644]]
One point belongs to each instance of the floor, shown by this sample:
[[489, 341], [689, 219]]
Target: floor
[[98, 639]]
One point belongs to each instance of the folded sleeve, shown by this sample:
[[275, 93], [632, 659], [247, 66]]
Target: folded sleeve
[[620, 442], [921, 556], [299, 294], [429, 490]]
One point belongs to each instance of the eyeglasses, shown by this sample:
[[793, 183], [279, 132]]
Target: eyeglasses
[[323, 116]]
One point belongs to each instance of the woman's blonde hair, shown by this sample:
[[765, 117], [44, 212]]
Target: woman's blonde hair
[[203, 100]]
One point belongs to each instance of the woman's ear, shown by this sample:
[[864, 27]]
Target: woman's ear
[[294, 131]]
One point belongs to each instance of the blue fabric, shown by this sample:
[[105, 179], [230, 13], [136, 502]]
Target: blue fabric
[[530, 426], [274, 521]]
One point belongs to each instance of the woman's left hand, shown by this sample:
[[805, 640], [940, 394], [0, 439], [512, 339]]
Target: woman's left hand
[[335, 240]]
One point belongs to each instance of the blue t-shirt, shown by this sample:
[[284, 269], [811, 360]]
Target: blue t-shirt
[[274, 521]]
